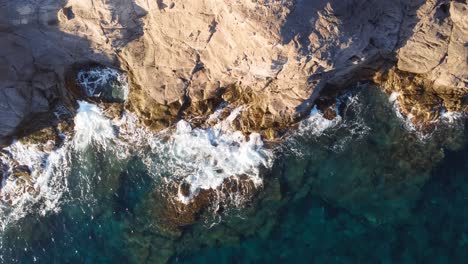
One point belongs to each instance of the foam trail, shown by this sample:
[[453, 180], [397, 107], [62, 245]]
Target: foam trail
[[445, 117], [407, 121], [316, 127], [213, 156], [44, 188]]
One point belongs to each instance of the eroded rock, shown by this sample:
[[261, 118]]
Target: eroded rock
[[182, 57]]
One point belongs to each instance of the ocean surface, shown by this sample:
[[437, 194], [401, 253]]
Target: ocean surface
[[365, 187]]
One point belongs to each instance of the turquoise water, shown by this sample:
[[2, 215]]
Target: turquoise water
[[365, 190]]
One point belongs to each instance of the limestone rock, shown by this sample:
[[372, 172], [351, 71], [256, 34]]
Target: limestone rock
[[438, 48], [171, 214], [182, 56]]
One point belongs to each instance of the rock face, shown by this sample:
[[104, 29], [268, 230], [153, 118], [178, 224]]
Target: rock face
[[431, 74], [185, 57]]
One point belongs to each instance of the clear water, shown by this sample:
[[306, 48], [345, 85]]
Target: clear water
[[359, 189]]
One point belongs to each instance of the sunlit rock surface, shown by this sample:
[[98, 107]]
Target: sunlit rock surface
[[183, 56]]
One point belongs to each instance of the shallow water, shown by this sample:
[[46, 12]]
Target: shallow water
[[360, 188]]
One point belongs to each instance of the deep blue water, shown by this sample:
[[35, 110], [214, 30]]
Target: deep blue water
[[365, 191], [312, 230]]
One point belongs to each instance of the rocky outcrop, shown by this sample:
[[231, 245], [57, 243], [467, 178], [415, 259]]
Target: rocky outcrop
[[171, 213], [185, 57], [431, 74], [420, 99]]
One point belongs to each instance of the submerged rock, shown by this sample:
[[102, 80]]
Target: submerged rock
[[366, 161], [172, 213]]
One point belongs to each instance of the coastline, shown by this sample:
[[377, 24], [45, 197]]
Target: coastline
[[207, 124]]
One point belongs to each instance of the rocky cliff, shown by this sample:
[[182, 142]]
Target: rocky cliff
[[276, 57]]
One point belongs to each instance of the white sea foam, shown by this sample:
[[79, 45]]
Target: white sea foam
[[445, 117], [450, 117], [93, 80], [393, 97], [316, 127], [213, 155], [408, 123], [215, 116], [43, 188], [91, 126], [47, 183], [203, 158]]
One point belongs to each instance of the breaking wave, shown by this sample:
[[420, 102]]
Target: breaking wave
[[316, 123], [203, 158], [91, 126]]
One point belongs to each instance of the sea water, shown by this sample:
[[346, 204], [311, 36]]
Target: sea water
[[362, 187]]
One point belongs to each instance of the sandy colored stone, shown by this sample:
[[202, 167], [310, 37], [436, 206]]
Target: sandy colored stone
[[183, 56]]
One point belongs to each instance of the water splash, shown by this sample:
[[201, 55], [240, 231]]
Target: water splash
[[408, 123], [347, 125], [213, 155], [450, 117], [104, 83], [44, 180], [91, 126], [41, 188], [204, 158], [316, 123]]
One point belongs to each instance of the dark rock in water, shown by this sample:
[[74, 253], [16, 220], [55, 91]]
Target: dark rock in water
[[65, 127], [112, 110], [172, 214], [330, 113], [383, 186], [184, 189]]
